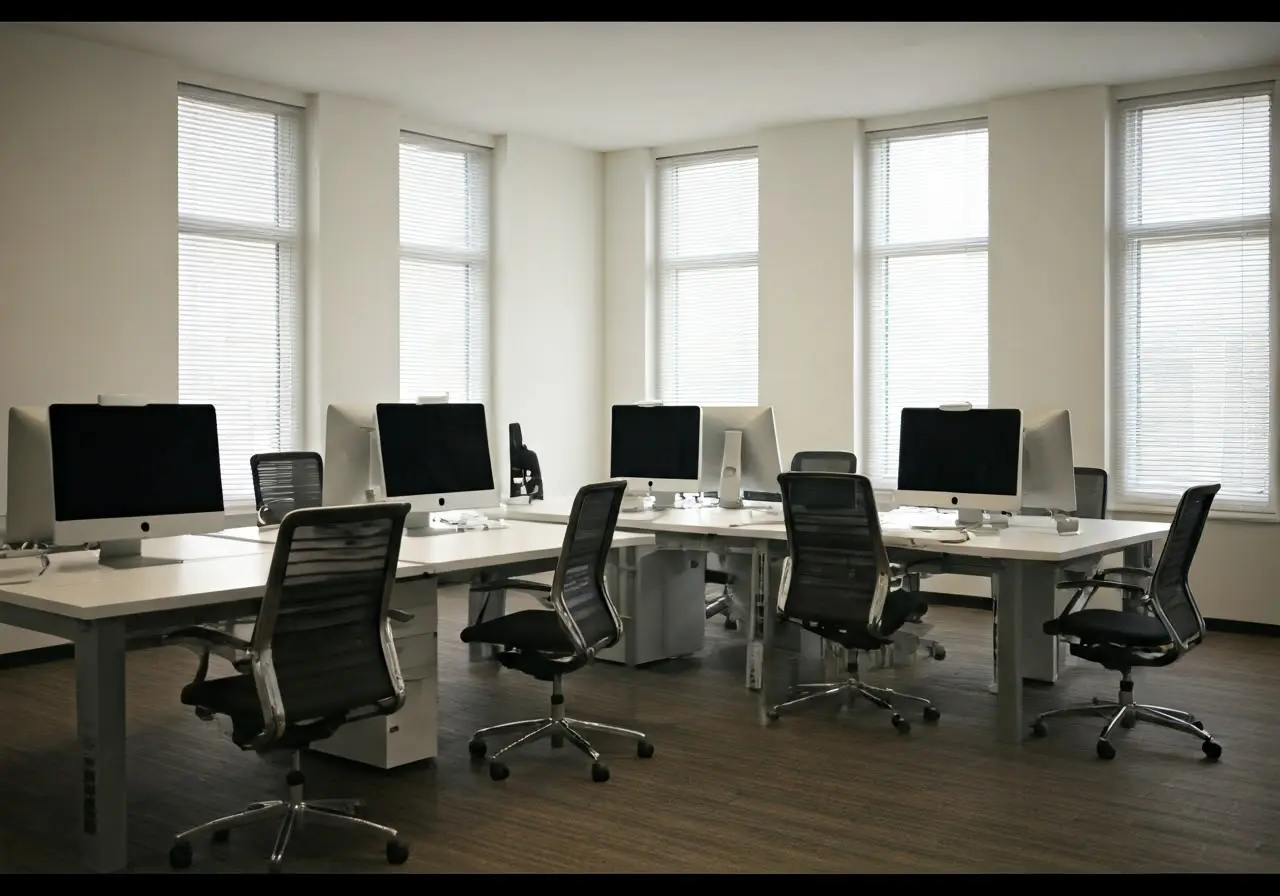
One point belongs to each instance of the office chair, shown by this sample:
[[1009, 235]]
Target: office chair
[[548, 644], [526, 472], [838, 583], [321, 656], [1168, 626], [824, 462], [285, 481]]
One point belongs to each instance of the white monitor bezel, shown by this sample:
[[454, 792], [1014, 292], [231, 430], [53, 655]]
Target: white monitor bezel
[[446, 501], [644, 485], [965, 500]]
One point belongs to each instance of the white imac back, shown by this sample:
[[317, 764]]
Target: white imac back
[[29, 516], [352, 465], [1048, 462]]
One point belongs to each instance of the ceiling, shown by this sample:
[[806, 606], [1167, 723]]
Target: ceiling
[[612, 85]]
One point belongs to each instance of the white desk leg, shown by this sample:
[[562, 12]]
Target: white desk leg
[[100, 720], [764, 614], [496, 606], [1009, 654]]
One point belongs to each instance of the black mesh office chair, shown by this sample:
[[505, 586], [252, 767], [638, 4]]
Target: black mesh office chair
[[285, 481], [838, 582], [824, 462], [321, 655], [1168, 627], [548, 644], [526, 472]]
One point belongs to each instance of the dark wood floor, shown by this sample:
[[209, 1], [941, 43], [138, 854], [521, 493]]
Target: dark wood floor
[[815, 793]]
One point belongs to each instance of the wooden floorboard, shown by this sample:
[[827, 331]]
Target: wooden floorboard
[[817, 792]]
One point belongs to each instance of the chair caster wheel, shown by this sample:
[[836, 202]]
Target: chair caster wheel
[[221, 836], [557, 741], [730, 625], [939, 652], [1039, 729], [1198, 724], [599, 772], [901, 724], [180, 855], [931, 714], [1105, 750], [397, 852], [1212, 750], [498, 771], [771, 715], [644, 749], [477, 748]]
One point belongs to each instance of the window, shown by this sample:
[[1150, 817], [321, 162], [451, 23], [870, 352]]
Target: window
[[444, 269], [708, 293], [1191, 382], [926, 321], [239, 274]]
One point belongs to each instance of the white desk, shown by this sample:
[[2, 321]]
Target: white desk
[[99, 609], [1025, 561]]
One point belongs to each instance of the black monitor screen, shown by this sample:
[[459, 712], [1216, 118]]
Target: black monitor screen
[[117, 462], [973, 452], [655, 442], [434, 449]]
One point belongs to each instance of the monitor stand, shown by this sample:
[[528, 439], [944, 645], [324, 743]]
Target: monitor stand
[[731, 471], [126, 553], [978, 519], [664, 500], [1066, 525]]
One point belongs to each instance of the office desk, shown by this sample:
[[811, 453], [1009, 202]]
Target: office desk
[[98, 609], [1025, 560]]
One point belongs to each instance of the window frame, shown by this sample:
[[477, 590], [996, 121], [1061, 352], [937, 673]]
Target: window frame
[[661, 267], [291, 244], [869, 255], [1116, 280], [482, 259]]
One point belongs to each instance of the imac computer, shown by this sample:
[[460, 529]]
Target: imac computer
[[657, 449], [1049, 467], [969, 459], [352, 472], [739, 452], [435, 456], [112, 474]]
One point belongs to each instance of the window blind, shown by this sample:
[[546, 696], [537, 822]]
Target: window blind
[[239, 274], [926, 341], [1192, 383], [444, 269], [708, 295]]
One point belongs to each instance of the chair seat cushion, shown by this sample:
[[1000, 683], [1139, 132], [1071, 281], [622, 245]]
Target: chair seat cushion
[[532, 630], [236, 697], [1110, 627], [900, 607]]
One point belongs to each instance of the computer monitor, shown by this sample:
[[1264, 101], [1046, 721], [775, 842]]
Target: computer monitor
[[112, 475], [740, 453], [436, 456], [352, 469], [969, 459], [1048, 465], [656, 448]]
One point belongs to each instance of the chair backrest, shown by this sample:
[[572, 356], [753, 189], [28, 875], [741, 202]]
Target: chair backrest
[[1091, 493], [322, 646], [838, 569], [1170, 589], [578, 591], [824, 462], [284, 481]]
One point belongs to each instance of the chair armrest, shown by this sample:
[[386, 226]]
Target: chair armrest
[[512, 585], [1102, 583], [207, 637], [1123, 571], [399, 616]]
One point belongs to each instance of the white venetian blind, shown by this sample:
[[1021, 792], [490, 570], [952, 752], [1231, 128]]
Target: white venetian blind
[[239, 274], [444, 269], [1192, 386], [927, 279], [708, 295]]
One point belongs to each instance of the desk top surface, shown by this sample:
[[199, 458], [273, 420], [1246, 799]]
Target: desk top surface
[[233, 565], [1027, 538]]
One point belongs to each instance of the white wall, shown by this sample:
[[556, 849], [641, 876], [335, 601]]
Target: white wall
[[88, 252], [548, 323], [1048, 295]]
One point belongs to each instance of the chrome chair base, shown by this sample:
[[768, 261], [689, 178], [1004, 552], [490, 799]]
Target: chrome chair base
[[1121, 714], [558, 730], [849, 690], [292, 814]]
